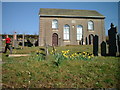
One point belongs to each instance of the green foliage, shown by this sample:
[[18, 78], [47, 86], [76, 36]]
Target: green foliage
[[58, 58], [38, 55], [66, 55]]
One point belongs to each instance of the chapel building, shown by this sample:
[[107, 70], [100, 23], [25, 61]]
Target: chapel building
[[60, 27]]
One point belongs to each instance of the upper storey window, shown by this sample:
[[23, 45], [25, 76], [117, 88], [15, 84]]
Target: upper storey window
[[55, 24], [90, 25]]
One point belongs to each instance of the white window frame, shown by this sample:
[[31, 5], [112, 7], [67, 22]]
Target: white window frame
[[66, 32], [55, 24], [79, 32], [90, 25]]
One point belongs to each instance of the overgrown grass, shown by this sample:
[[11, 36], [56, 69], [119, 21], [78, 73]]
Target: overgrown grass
[[19, 72]]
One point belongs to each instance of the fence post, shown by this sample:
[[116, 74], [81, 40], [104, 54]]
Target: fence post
[[46, 50], [15, 43], [23, 40]]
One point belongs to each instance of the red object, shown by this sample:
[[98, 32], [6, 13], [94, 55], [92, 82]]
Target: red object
[[7, 40]]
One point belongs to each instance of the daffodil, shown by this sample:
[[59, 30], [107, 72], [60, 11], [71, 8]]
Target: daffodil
[[62, 51], [80, 54], [92, 55], [83, 55], [75, 53], [89, 57], [66, 56], [72, 54], [36, 50], [83, 52]]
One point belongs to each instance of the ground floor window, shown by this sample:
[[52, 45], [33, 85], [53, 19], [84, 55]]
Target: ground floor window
[[66, 32], [79, 32]]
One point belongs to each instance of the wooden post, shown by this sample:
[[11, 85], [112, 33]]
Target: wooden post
[[34, 42], [46, 50], [18, 55], [15, 44], [54, 49], [23, 40]]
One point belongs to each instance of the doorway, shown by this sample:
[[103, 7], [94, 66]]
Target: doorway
[[55, 39]]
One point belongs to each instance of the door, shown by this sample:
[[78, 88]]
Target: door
[[55, 39]]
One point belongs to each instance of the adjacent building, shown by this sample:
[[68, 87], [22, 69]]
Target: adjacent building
[[60, 27]]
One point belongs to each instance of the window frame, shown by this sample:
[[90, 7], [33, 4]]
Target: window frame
[[54, 24], [90, 25], [79, 34], [66, 34]]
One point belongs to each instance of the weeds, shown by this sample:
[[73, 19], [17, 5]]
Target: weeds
[[38, 55]]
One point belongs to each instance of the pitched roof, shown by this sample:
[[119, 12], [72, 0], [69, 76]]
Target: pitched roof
[[69, 13]]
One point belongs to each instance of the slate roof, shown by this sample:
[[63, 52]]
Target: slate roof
[[69, 13]]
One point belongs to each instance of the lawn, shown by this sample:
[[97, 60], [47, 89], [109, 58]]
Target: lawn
[[25, 72]]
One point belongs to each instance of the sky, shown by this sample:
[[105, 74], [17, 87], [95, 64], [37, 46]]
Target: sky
[[22, 17]]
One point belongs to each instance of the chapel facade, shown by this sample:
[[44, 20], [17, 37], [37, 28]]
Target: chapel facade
[[60, 27]]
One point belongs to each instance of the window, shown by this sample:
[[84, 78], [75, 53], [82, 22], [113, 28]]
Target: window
[[55, 24], [79, 32], [90, 25], [66, 32]]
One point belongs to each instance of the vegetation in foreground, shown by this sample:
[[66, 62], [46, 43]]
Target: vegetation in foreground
[[29, 72]]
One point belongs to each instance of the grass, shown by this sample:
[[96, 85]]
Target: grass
[[23, 72]]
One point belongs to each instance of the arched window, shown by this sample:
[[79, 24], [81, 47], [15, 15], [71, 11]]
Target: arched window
[[90, 25], [66, 32], [79, 32], [55, 23]]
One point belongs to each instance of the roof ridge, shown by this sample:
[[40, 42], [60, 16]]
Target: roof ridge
[[68, 9], [69, 12]]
